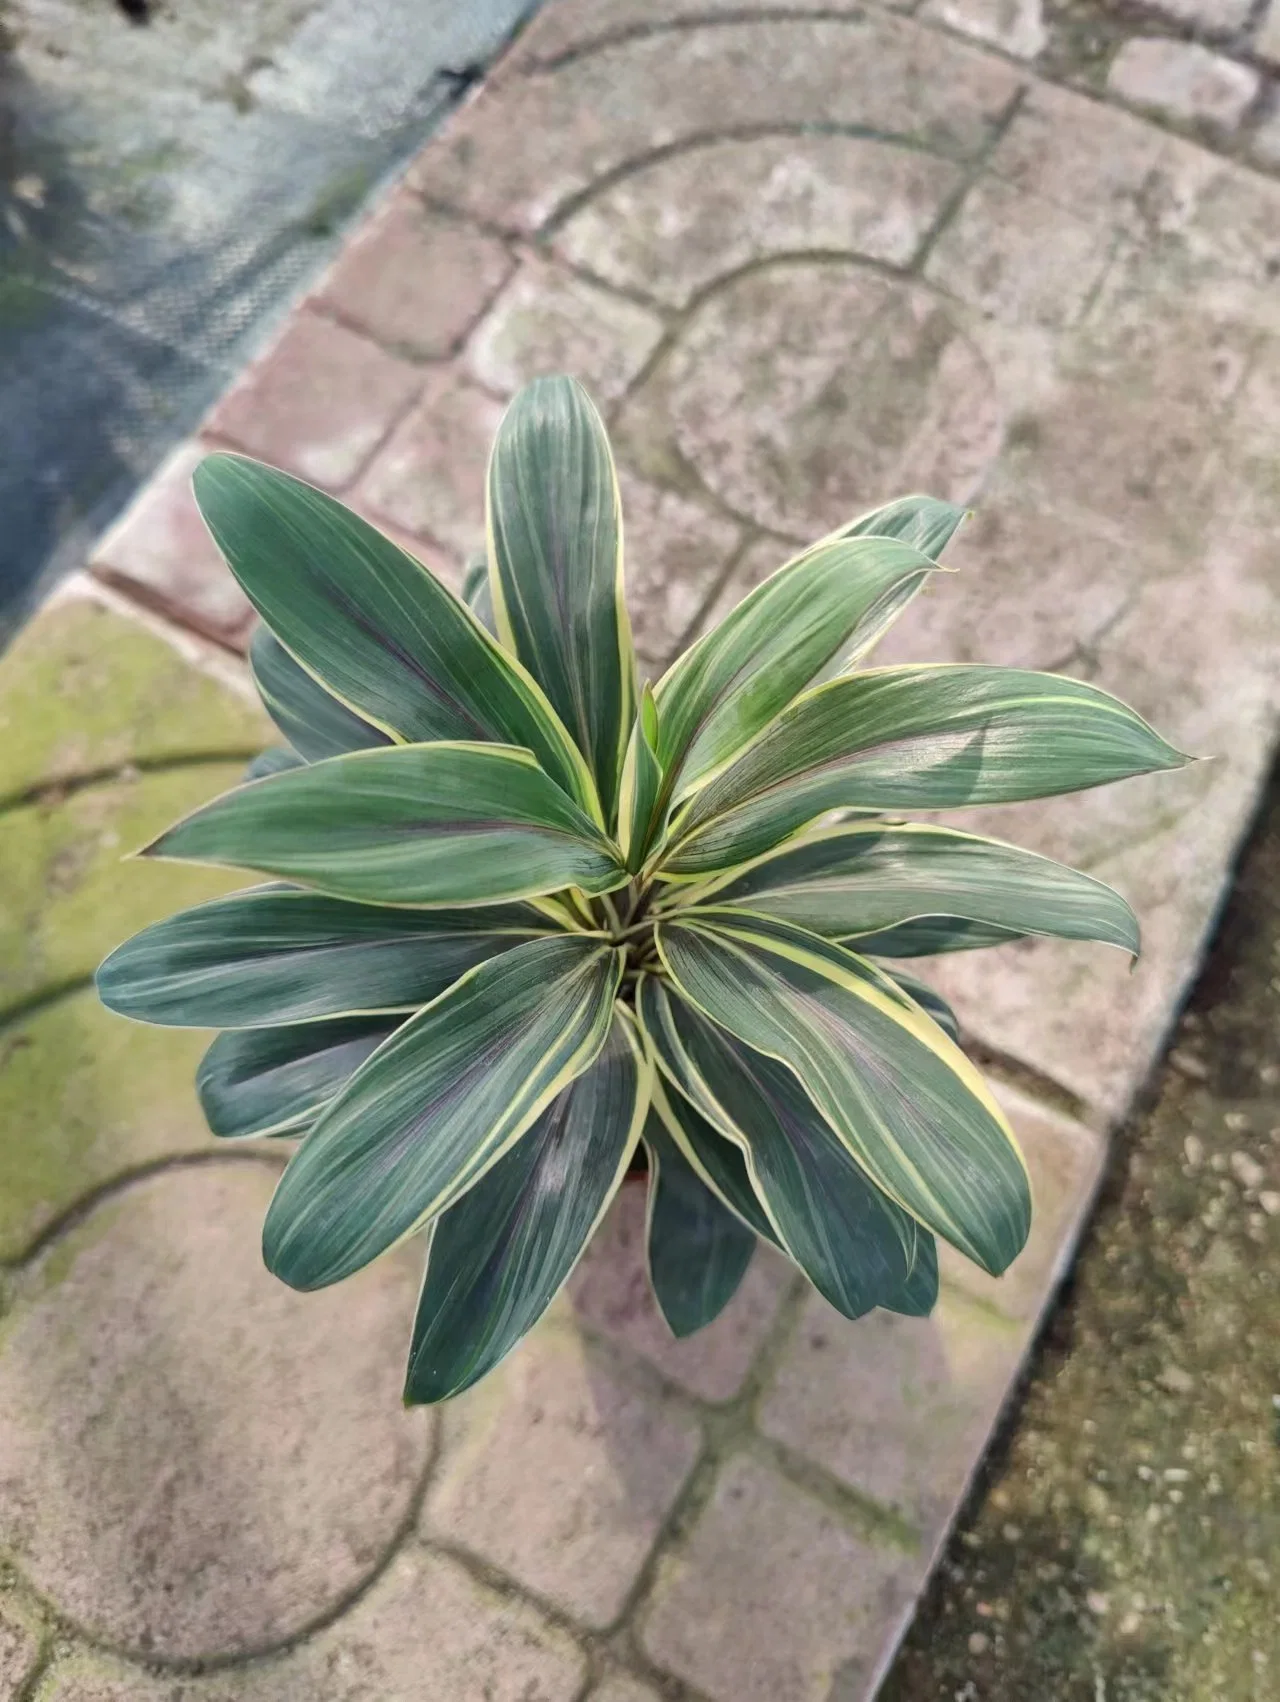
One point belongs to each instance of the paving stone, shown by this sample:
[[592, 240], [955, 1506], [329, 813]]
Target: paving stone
[[160, 552], [772, 1596], [1219, 16], [1265, 142], [560, 1472], [674, 226], [533, 144], [425, 1632], [898, 1409], [429, 477], [1183, 81], [20, 1649], [1078, 154], [549, 321], [674, 549], [85, 690], [804, 392], [571, 26], [610, 1290], [413, 279], [1018, 258], [318, 403], [1064, 1161], [195, 1460], [1017, 26]]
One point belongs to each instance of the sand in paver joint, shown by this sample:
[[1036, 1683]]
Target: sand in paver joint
[[965, 280]]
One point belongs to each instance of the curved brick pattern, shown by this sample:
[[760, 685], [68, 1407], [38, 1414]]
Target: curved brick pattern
[[548, 321], [1183, 81], [160, 553], [425, 1632], [318, 403], [623, 1690], [675, 550], [898, 1409], [803, 392], [610, 1290], [772, 1596], [429, 479], [195, 1460], [21, 1643], [608, 109], [560, 1471], [573, 26], [414, 280], [1017, 26], [83, 689], [678, 223]]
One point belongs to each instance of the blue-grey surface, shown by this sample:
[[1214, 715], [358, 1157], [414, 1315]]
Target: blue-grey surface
[[165, 188]]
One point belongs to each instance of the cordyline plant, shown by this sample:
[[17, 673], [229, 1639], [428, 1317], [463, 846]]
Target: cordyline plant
[[532, 914]]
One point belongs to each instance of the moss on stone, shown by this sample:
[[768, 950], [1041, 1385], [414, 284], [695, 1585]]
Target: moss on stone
[[84, 1095], [83, 689]]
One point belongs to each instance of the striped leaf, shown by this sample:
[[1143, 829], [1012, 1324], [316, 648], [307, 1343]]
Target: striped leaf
[[826, 607], [861, 880], [698, 1251], [476, 594], [925, 522], [555, 567], [274, 760], [855, 1245], [930, 1001], [435, 1108], [281, 955], [413, 824], [927, 937], [908, 1104], [501, 1254], [641, 785], [913, 738], [314, 722], [713, 1155], [386, 638], [276, 1081]]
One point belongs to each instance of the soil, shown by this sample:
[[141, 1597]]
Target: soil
[[1124, 1543]]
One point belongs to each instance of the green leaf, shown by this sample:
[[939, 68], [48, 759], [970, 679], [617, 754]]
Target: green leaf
[[315, 723], [827, 606], [913, 738], [698, 1250], [856, 1246], [276, 1081], [414, 824], [369, 621], [475, 592], [713, 1156], [276, 955], [436, 1107], [555, 567], [908, 1104], [641, 783], [861, 880], [501, 1254], [930, 1001], [274, 760], [924, 522], [927, 937]]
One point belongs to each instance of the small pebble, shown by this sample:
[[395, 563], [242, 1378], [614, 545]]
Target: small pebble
[[1176, 1474], [1098, 1602], [1187, 1064], [1247, 1171], [1176, 1380], [1130, 1623], [1269, 1200], [978, 1642], [1236, 1121], [1193, 1151]]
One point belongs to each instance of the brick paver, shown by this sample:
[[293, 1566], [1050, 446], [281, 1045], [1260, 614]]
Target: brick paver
[[805, 261]]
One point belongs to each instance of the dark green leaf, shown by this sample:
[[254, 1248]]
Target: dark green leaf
[[908, 1104], [311, 718], [641, 783], [555, 567], [913, 738], [277, 955], [924, 522], [274, 1081], [274, 760], [386, 638], [501, 1254], [436, 1107], [931, 1002], [927, 937], [861, 880], [698, 1250], [475, 592], [412, 824]]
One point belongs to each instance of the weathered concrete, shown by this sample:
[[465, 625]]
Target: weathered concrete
[[805, 262]]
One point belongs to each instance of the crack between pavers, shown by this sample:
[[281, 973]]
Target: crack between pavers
[[976, 171], [56, 791], [22, 1010]]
